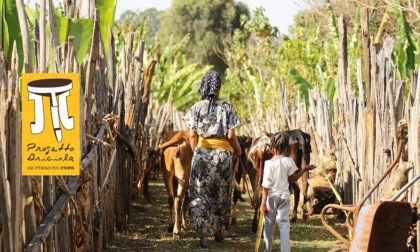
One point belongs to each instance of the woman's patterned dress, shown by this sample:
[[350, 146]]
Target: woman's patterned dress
[[211, 171]]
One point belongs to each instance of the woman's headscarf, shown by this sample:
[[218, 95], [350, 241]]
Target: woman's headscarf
[[209, 87]]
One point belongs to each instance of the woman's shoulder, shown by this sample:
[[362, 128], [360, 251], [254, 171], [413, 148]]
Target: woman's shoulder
[[199, 104], [225, 103]]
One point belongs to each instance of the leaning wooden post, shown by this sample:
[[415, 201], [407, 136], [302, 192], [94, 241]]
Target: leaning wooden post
[[145, 92], [90, 72]]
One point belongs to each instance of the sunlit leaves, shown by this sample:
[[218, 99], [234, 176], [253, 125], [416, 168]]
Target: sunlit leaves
[[176, 80]]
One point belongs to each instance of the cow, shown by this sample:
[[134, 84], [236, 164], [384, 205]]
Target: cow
[[244, 167], [299, 150], [176, 168]]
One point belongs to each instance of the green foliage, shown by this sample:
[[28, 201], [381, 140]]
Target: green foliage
[[175, 80], [10, 30], [251, 60], [207, 24], [302, 84], [331, 22], [406, 46], [80, 29], [329, 87], [147, 21], [106, 19]]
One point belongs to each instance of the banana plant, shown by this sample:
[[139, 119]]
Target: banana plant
[[107, 15], [10, 30], [175, 80], [251, 57], [80, 29], [303, 85]]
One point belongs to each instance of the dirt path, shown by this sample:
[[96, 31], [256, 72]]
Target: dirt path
[[148, 230]]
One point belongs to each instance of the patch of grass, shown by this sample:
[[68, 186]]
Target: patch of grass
[[147, 230]]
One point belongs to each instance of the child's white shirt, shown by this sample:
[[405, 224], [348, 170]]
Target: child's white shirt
[[276, 173]]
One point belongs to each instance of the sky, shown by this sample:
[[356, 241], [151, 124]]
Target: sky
[[280, 13]]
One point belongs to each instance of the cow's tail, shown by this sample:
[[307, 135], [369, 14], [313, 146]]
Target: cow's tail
[[151, 154], [146, 191], [305, 141]]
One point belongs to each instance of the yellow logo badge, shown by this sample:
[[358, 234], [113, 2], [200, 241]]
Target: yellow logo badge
[[51, 124]]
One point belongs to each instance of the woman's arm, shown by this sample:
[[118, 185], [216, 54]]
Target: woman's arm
[[233, 140], [193, 139]]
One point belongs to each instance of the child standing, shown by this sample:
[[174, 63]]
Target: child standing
[[279, 171]]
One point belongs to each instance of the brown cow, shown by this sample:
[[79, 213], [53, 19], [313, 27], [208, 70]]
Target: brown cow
[[176, 169], [299, 150]]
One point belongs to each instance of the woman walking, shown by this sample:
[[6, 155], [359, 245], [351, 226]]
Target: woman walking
[[211, 124]]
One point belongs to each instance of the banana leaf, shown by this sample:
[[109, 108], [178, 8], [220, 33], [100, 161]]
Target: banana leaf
[[303, 85], [329, 87], [11, 30], [80, 29], [106, 19], [191, 83]]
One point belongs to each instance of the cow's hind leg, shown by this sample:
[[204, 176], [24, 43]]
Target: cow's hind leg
[[255, 219], [171, 212], [307, 206], [296, 196], [236, 197], [180, 201], [177, 207], [185, 208], [234, 213]]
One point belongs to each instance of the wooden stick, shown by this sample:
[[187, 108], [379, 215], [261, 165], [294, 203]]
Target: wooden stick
[[88, 136]]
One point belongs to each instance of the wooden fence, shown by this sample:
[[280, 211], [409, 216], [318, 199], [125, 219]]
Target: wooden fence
[[358, 133], [47, 213], [80, 213]]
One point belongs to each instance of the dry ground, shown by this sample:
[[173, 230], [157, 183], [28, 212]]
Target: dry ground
[[148, 230]]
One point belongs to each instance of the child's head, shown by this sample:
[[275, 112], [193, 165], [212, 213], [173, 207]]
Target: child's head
[[280, 142]]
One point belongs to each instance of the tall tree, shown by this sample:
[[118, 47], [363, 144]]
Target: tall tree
[[131, 20], [207, 22]]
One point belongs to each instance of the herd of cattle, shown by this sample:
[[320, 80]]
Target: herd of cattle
[[175, 157]]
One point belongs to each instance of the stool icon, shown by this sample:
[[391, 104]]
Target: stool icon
[[57, 90]]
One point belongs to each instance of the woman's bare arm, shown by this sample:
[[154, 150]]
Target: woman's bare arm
[[233, 140], [193, 139]]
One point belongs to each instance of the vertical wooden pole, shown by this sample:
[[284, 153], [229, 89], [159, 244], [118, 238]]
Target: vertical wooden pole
[[26, 40], [90, 72], [364, 22], [42, 38], [342, 28]]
